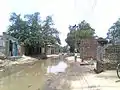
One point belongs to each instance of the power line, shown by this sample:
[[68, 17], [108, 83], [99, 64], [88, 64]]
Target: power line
[[94, 5]]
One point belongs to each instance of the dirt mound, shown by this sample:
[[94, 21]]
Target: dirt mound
[[2, 56]]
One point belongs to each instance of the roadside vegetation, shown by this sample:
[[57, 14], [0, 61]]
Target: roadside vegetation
[[77, 32]]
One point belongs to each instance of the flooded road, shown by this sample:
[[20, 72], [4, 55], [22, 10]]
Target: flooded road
[[28, 77], [56, 74]]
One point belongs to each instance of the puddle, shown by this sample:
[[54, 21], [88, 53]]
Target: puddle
[[30, 76], [60, 67]]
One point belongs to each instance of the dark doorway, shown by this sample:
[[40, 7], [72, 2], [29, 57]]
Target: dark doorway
[[10, 48]]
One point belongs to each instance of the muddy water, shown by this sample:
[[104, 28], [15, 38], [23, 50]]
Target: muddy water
[[26, 77]]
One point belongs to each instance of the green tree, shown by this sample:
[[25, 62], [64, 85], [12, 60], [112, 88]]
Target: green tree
[[50, 34], [18, 27], [32, 31], [65, 49], [81, 31], [70, 41], [114, 32], [35, 29]]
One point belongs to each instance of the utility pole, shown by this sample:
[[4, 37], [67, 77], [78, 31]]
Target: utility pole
[[75, 28], [75, 50]]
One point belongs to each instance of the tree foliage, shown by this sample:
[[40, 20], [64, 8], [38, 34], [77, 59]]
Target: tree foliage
[[65, 49], [32, 31], [81, 31], [114, 32]]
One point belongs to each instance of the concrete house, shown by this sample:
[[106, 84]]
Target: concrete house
[[9, 45], [52, 49]]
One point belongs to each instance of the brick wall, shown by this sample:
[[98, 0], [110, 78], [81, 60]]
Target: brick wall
[[112, 53], [88, 48], [111, 57]]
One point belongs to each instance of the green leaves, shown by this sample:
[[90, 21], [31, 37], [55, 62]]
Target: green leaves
[[32, 31], [82, 31], [114, 32]]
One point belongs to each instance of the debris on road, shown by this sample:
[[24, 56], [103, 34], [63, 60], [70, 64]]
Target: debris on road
[[2, 56], [22, 60]]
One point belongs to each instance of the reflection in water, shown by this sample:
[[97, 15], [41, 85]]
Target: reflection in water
[[60, 67], [29, 77]]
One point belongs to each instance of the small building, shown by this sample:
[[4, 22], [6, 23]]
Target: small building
[[9, 45], [53, 49], [50, 49]]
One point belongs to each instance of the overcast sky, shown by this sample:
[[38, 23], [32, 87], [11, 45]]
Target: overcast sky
[[101, 14]]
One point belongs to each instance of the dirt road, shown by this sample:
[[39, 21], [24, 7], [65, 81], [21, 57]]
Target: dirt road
[[36, 77]]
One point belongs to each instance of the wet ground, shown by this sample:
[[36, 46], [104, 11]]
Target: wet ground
[[73, 79], [30, 76], [56, 74]]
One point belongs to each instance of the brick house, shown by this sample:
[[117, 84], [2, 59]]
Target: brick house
[[88, 48]]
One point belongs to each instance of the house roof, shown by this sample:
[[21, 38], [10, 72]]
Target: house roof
[[8, 37]]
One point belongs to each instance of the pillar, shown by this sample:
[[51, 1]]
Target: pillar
[[7, 52], [43, 50]]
